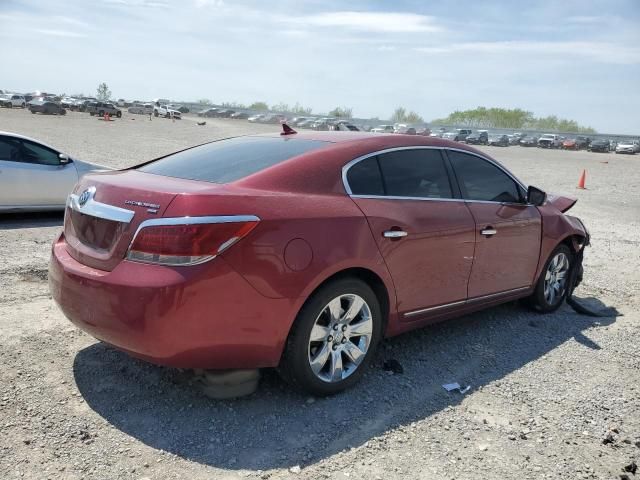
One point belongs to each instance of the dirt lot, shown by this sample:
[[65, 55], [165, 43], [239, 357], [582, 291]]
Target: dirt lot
[[554, 396]]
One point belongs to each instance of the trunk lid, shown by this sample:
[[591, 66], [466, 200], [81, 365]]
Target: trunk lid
[[102, 243]]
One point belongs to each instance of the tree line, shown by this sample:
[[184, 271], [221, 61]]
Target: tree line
[[515, 118]]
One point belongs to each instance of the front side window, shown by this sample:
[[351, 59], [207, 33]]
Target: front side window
[[415, 173], [34, 153], [481, 180]]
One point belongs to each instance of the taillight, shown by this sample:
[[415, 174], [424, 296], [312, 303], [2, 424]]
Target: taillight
[[189, 240]]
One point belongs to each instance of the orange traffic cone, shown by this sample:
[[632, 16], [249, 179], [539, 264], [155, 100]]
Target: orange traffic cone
[[583, 177]]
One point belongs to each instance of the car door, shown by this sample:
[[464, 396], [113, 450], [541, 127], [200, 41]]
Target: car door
[[35, 177], [508, 230], [425, 235]]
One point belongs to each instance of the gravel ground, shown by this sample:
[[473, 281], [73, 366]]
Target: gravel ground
[[553, 396]]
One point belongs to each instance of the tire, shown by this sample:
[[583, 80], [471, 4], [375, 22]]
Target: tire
[[92, 113], [155, 113], [63, 112], [541, 300], [119, 114], [24, 105], [101, 113], [33, 111], [300, 350]]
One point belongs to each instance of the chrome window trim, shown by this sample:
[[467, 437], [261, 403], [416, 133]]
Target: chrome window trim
[[154, 222], [466, 302], [395, 197], [97, 209], [346, 167]]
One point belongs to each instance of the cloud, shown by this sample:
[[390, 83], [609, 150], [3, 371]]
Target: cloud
[[140, 3], [209, 3], [58, 33], [586, 19], [380, 22], [70, 21], [596, 51]]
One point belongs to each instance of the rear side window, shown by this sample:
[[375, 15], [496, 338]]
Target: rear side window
[[415, 173], [231, 159], [364, 178], [481, 180]]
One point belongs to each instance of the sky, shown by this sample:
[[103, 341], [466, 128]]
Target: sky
[[576, 59]]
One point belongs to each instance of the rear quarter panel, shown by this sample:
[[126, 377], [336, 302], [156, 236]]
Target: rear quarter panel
[[333, 231]]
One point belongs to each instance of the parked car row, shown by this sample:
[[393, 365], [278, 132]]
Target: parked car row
[[547, 140]]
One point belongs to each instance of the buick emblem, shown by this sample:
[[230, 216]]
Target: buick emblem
[[86, 196]]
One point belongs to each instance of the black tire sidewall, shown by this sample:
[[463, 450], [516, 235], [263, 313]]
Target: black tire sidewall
[[537, 300], [295, 366]]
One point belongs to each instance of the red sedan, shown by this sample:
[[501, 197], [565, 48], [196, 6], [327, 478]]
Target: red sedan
[[302, 251]]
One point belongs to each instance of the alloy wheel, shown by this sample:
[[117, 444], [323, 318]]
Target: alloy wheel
[[555, 280], [340, 338]]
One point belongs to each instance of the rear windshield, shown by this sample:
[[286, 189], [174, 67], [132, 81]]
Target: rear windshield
[[231, 159]]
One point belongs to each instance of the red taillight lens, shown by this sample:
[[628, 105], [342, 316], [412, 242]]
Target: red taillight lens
[[186, 244]]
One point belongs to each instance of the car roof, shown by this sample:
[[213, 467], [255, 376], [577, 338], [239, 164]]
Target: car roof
[[321, 164]]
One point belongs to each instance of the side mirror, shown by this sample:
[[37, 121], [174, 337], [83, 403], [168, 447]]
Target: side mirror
[[535, 196], [64, 159]]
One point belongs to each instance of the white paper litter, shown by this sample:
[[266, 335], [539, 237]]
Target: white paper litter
[[456, 386]]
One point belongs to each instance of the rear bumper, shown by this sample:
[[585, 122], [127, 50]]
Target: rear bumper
[[206, 316]]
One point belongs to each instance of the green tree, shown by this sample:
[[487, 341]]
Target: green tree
[[399, 115], [233, 105], [341, 112], [300, 110], [103, 93], [280, 107], [260, 106], [413, 117], [204, 101]]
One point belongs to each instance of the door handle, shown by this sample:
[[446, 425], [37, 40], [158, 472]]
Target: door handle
[[488, 231], [394, 234]]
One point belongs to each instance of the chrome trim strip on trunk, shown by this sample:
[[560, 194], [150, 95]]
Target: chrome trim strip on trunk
[[97, 209], [465, 302]]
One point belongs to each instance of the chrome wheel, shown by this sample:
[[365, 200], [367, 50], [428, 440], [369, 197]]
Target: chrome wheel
[[555, 279], [340, 338]]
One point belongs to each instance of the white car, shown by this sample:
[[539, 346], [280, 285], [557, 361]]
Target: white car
[[628, 146], [35, 176], [383, 129], [166, 111], [12, 100], [67, 102], [256, 118], [141, 108], [550, 140]]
